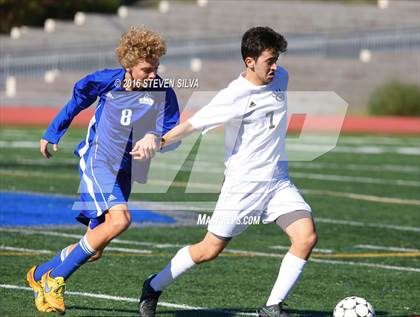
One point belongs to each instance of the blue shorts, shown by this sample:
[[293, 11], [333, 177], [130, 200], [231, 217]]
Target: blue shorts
[[100, 189]]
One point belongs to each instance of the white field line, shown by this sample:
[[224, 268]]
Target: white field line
[[208, 207], [77, 236], [315, 147], [356, 179], [27, 145], [315, 260], [285, 247], [8, 248], [358, 167], [254, 253], [125, 250], [203, 186], [367, 224], [14, 133], [379, 247], [379, 266], [122, 250], [152, 182], [365, 140], [370, 150], [216, 187], [205, 168], [135, 300], [170, 245], [166, 245], [8, 172], [372, 198], [298, 147], [212, 167], [278, 255], [357, 140], [359, 246], [43, 161]]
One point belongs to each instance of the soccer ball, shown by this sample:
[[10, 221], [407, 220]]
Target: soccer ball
[[354, 307]]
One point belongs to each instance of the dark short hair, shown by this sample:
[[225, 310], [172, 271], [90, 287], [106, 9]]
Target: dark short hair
[[258, 39]]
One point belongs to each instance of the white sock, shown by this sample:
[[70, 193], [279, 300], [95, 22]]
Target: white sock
[[179, 264], [290, 270]]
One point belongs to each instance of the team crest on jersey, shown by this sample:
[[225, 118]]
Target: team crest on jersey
[[146, 99], [109, 95], [278, 95]]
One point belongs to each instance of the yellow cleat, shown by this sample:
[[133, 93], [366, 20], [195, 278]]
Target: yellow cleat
[[54, 292], [40, 302]]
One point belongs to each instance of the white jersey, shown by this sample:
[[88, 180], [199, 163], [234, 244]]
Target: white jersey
[[255, 119]]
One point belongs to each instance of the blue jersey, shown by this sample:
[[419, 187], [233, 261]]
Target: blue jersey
[[121, 118]]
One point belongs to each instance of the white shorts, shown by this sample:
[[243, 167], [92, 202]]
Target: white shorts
[[242, 203]]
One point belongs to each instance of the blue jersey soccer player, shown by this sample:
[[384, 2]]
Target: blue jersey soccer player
[[125, 113]]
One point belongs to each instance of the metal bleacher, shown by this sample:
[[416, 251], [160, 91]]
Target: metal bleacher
[[212, 32]]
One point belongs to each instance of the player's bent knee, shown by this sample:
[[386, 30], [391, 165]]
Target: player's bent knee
[[208, 249], [119, 225], [208, 255], [307, 242], [119, 220], [204, 253], [214, 254], [312, 240]]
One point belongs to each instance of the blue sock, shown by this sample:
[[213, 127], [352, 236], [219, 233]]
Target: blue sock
[[80, 254], [52, 263]]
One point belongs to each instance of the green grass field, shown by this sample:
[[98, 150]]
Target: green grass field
[[365, 199]]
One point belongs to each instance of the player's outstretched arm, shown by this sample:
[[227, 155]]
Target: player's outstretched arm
[[146, 148], [177, 133], [43, 148], [85, 92]]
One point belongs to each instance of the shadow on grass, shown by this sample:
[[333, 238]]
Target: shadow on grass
[[206, 313], [234, 312], [203, 313], [100, 311], [315, 313]]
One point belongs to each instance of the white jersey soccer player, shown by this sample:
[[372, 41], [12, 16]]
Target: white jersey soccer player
[[255, 121], [253, 109], [256, 175]]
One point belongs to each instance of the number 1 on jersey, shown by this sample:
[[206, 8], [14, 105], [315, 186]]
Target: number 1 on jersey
[[126, 117], [271, 115]]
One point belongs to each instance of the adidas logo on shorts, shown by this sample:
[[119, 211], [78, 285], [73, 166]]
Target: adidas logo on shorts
[[111, 198]]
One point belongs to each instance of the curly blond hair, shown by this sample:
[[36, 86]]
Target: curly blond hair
[[139, 43]]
